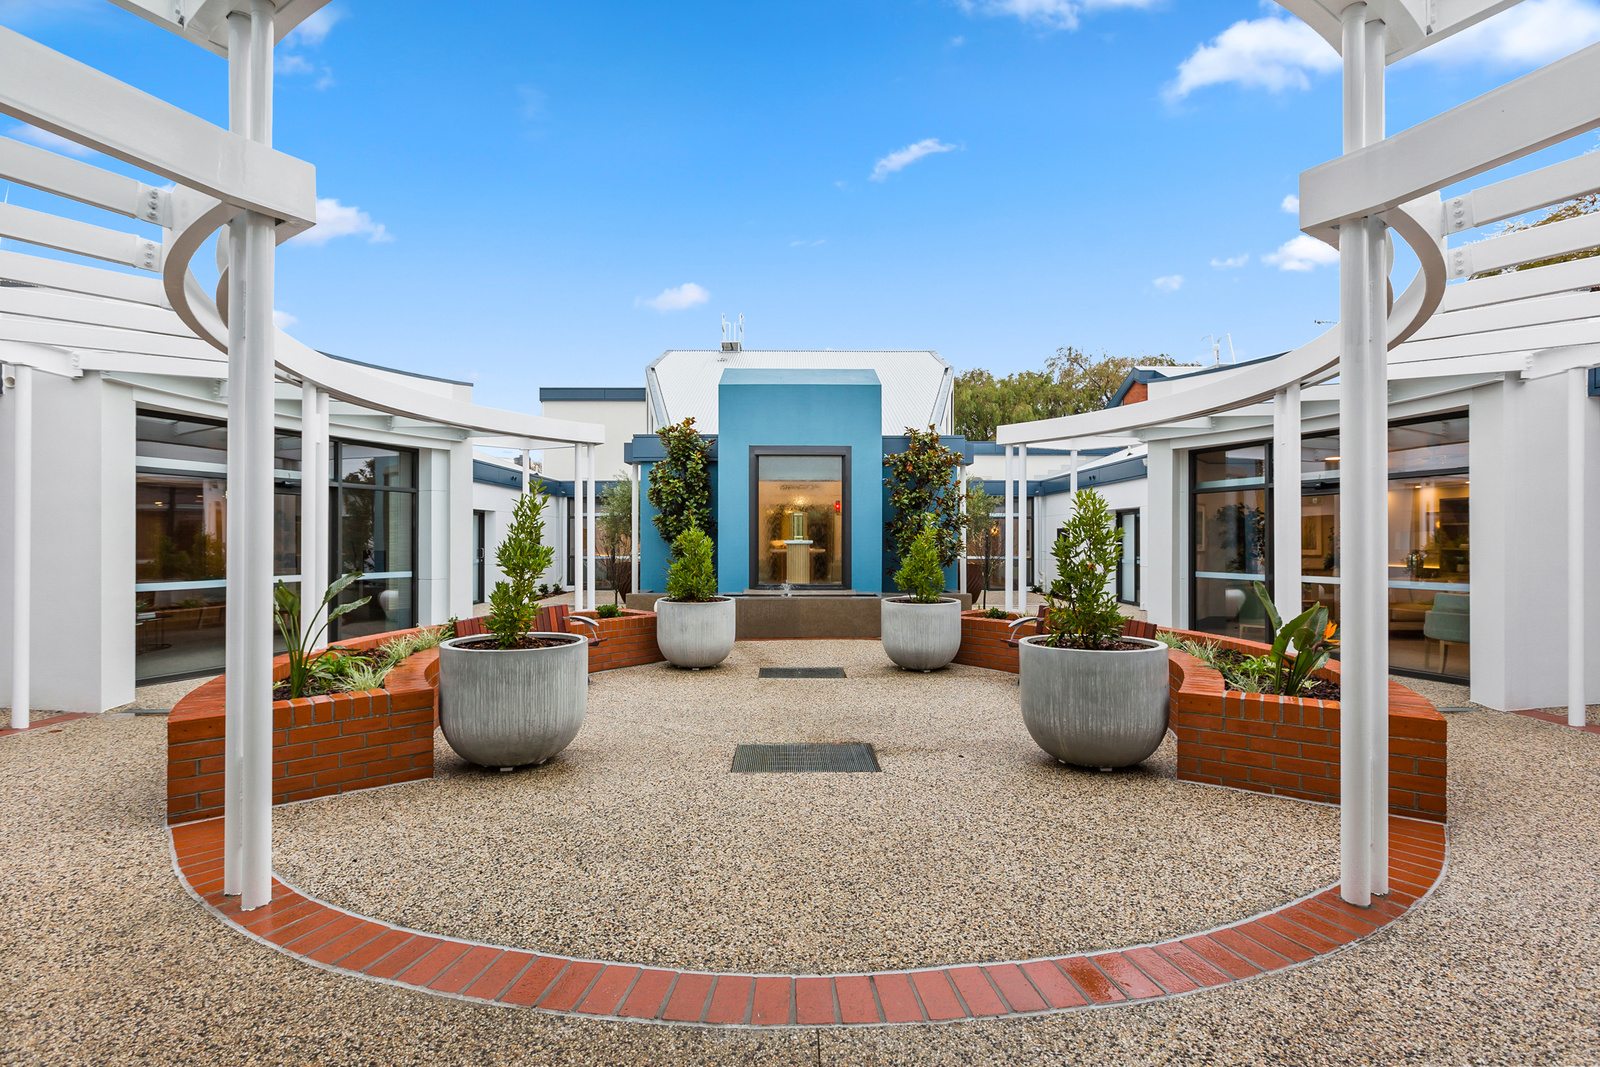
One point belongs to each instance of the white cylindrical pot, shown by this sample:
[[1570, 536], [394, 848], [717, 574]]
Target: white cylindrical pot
[[695, 633], [1094, 708], [921, 637], [512, 707]]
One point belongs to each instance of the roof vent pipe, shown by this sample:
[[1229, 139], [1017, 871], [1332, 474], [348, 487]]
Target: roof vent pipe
[[734, 344]]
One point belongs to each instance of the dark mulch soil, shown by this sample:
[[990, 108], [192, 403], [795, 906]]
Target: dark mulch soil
[[1315, 689], [1115, 645], [492, 643], [317, 686]]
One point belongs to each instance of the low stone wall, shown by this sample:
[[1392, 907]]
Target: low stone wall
[[321, 745]]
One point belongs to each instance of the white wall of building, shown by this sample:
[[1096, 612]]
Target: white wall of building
[[621, 418]]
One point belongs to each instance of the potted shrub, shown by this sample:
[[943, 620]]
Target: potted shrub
[[1091, 696], [694, 626], [514, 697], [921, 631]]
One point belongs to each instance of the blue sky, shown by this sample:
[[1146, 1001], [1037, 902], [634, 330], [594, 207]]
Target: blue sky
[[552, 194]]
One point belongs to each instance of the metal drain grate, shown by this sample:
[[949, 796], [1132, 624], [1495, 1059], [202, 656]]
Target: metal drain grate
[[776, 759], [801, 672]]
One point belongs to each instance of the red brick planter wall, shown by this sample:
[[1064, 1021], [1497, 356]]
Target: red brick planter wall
[[1290, 747], [320, 745], [1262, 742], [629, 641]]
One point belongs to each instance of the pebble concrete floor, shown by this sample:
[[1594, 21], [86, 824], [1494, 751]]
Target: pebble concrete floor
[[105, 959]]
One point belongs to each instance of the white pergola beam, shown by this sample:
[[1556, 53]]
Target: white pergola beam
[[69, 308], [204, 21], [1550, 105], [1523, 284], [1563, 308], [1525, 246], [73, 100], [104, 339], [1526, 192], [51, 172], [79, 238], [81, 278]]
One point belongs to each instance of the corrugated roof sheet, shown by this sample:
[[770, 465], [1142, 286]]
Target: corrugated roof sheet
[[916, 383]]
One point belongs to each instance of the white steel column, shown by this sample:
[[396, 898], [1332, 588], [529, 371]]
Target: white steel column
[[633, 530], [1023, 542], [313, 506], [250, 504], [1363, 527], [1577, 503], [21, 544], [527, 479], [1005, 532], [578, 525], [593, 505], [1073, 485], [1286, 501]]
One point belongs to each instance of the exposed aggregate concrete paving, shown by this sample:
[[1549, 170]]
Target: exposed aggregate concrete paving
[[637, 844], [105, 960]]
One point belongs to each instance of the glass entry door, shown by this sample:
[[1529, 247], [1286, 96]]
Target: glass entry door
[[800, 518]]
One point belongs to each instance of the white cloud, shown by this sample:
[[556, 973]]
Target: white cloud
[[1231, 262], [808, 244], [282, 319], [289, 63], [533, 101], [1268, 53], [1291, 204], [1051, 14], [686, 295], [45, 139], [1169, 283], [1531, 34], [957, 42], [1302, 253], [314, 30], [903, 158], [341, 220]]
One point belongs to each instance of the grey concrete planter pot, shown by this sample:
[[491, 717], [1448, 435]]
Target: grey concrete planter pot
[[921, 637], [695, 633], [511, 707], [1095, 709]]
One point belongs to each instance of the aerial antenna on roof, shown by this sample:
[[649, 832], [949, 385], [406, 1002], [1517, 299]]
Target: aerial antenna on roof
[[1216, 348], [736, 344]]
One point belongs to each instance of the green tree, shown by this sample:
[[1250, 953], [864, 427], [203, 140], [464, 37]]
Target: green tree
[[523, 558], [614, 531], [680, 484], [1071, 383], [921, 576], [1583, 205], [693, 574], [1083, 609], [922, 481], [983, 535]]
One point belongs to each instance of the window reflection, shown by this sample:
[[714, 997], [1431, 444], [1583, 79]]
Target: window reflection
[[800, 507]]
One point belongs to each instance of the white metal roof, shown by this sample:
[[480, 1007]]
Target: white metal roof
[[916, 383]]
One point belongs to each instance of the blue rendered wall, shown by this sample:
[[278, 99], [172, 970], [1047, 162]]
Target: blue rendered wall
[[655, 555], [761, 408], [891, 558]]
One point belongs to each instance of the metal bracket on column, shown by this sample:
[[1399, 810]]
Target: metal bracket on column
[[1458, 214], [1460, 262], [154, 205]]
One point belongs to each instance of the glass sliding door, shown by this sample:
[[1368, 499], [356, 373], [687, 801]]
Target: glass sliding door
[[1230, 531], [800, 517], [375, 528]]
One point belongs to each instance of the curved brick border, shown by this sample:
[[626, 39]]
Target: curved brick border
[[51, 721], [340, 941]]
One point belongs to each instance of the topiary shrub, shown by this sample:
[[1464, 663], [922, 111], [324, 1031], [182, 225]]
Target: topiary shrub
[[921, 577], [523, 557], [1083, 609], [680, 484], [922, 482], [693, 575]]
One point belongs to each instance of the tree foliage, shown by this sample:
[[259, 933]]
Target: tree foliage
[[1583, 205], [1082, 607], [693, 574], [1071, 383], [921, 576], [922, 482], [983, 537], [523, 557], [680, 485], [613, 529]]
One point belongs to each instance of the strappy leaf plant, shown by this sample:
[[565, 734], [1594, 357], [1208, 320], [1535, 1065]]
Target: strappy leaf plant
[[297, 642], [1313, 638]]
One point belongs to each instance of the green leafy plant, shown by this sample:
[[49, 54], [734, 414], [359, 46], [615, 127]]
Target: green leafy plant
[[1082, 610], [523, 557], [922, 483], [680, 484], [298, 642], [921, 577], [614, 529], [608, 611], [997, 613], [983, 537], [1312, 636], [693, 575]]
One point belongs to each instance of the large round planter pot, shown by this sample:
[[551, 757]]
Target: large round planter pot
[[511, 707], [695, 633], [921, 637], [1095, 709]]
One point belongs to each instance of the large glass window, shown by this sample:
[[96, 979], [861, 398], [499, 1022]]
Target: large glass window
[[375, 519], [1230, 529], [180, 541], [800, 520]]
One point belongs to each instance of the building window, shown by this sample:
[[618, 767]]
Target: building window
[[180, 540], [1231, 532], [479, 550], [799, 517], [374, 512], [1128, 561]]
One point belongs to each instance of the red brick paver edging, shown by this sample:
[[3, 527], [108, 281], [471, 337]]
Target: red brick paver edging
[[51, 721], [325, 936]]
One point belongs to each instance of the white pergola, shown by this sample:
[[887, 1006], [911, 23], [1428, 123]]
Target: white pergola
[[70, 318], [1531, 324]]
